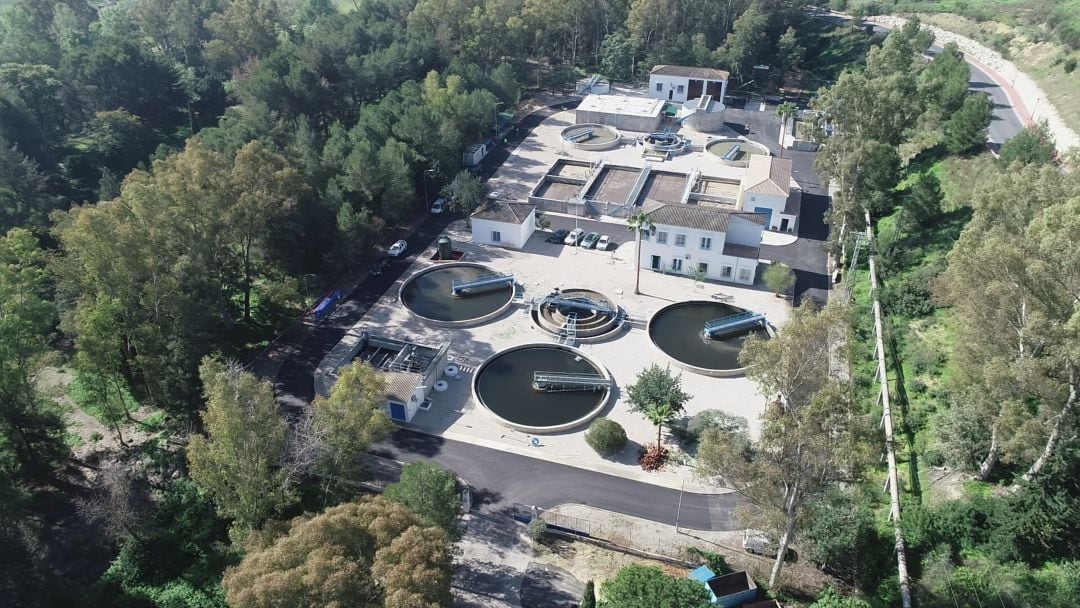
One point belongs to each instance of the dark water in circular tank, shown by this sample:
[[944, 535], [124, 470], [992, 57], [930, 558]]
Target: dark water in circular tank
[[428, 295], [505, 387], [676, 330]]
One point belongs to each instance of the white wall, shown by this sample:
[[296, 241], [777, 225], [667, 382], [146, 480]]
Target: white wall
[[742, 231], [511, 235], [671, 84], [690, 255]]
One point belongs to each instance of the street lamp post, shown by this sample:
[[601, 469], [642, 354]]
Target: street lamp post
[[497, 105]]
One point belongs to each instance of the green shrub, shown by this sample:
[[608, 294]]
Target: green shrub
[[605, 436], [538, 529], [714, 419], [1070, 65]]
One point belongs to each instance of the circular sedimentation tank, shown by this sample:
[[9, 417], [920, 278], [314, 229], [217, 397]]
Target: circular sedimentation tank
[[429, 295], [664, 143], [721, 148], [507, 386], [677, 331], [595, 316], [590, 136]]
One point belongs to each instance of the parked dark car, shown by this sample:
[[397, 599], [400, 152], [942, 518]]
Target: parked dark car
[[558, 236]]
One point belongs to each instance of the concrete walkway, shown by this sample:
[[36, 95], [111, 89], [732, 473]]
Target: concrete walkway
[[489, 572]]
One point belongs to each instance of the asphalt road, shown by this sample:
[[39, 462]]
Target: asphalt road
[[537, 482], [1006, 122]]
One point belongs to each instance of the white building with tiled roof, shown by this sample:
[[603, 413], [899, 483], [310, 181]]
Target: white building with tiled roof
[[721, 243], [767, 188], [683, 83], [503, 224]]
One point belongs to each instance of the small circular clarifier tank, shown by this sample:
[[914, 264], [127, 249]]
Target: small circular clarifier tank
[[542, 388], [735, 152], [677, 330], [588, 136], [430, 294], [445, 248]]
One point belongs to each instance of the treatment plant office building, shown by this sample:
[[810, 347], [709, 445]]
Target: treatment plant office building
[[721, 243]]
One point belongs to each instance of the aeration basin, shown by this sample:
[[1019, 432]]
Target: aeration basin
[[542, 388], [430, 295], [677, 330]]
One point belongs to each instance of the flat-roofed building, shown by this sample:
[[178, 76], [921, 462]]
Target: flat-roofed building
[[640, 114]]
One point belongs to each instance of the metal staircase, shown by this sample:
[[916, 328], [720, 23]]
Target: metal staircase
[[726, 326], [568, 336], [559, 382], [481, 284]]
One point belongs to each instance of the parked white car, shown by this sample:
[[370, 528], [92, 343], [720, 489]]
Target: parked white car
[[603, 243], [574, 237], [398, 249], [439, 206]]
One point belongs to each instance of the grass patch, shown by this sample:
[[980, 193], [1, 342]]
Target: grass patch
[[107, 401]]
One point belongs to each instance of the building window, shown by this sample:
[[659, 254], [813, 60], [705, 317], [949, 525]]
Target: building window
[[752, 199], [679, 88], [676, 265], [644, 235], [659, 86], [702, 267], [680, 240], [744, 274], [661, 237], [496, 236], [725, 271], [706, 243]]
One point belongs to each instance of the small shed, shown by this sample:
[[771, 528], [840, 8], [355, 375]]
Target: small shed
[[474, 154], [503, 224], [727, 590]]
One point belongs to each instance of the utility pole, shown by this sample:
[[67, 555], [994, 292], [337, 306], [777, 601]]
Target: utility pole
[[678, 512]]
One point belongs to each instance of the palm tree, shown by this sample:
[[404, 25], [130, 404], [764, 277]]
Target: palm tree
[[659, 414], [785, 111], [638, 223]]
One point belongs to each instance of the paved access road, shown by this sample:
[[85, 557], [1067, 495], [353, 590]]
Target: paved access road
[[500, 479], [1006, 121]]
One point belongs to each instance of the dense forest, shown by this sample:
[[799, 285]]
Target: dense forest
[[180, 179]]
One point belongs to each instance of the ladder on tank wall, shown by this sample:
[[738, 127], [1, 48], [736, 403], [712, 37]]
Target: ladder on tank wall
[[559, 382], [726, 326]]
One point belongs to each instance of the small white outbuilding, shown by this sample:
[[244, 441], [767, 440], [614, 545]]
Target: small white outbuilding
[[503, 224]]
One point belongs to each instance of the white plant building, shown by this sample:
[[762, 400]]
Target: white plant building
[[767, 188], [721, 243], [682, 83], [503, 224]]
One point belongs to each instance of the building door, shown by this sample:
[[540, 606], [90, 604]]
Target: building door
[[670, 94], [695, 89], [397, 412], [768, 215], [784, 225], [676, 265], [655, 262]]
